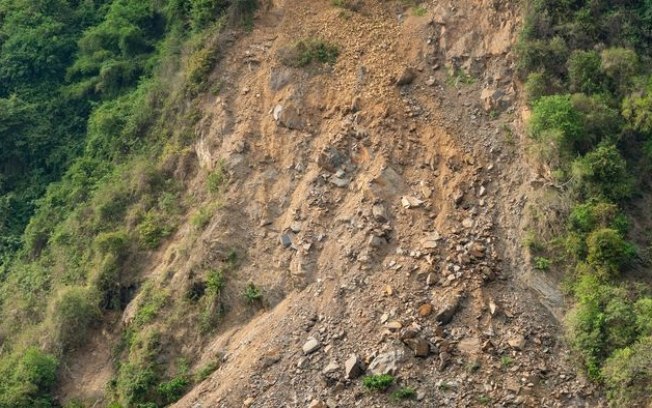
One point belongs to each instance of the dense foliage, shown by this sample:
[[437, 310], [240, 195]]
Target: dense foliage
[[93, 119], [587, 70]]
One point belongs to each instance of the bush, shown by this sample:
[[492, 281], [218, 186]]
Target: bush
[[535, 86], [378, 382], [215, 282], [306, 52], [628, 374], [637, 109], [404, 393], [584, 71], [608, 252], [27, 379], [643, 309], [541, 263], [620, 65], [588, 216], [601, 119], [74, 312], [603, 174], [153, 229], [173, 389], [556, 112], [252, 294]]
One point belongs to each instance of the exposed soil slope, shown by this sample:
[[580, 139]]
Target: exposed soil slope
[[378, 205]]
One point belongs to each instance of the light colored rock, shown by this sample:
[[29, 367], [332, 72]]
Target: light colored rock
[[311, 345], [387, 363], [353, 367], [411, 202]]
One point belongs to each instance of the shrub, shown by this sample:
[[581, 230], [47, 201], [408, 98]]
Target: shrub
[[205, 371], [74, 312], [637, 109], [535, 86], [584, 71], [643, 309], [628, 374], [608, 252], [135, 383], [173, 389], [202, 217], [541, 263], [378, 382], [27, 379], [404, 393], [252, 294], [556, 112], [215, 179], [153, 229], [601, 120], [603, 174], [113, 242], [588, 216], [306, 52], [620, 65], [215, 282]]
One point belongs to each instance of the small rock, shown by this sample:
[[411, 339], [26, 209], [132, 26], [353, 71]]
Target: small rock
[[477, 250], [331, 368], [444, 361], [379, 212], [516, 341], [493, 307], [339, 181], [286, 240], [353, 367], [295, 227], [448, 309], [411, 202], [317, 404], [467, 223], [311, 345], [394, 325], [407, 76], [419, 345], [425, 310], [248, 402], [458, 196]]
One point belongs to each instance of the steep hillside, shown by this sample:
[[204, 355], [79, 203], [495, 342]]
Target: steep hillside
[[320, 203], [375, 204]]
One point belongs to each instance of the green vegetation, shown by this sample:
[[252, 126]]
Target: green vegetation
[[506, 361], [252, 294], [596, 140], [541, 263], [404, 393], [378, 382], [94, 121], [309, 51]]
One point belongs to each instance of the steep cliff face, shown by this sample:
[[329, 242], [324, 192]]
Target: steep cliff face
[[370, 209]]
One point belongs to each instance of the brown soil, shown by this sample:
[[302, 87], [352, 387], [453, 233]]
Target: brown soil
[[352, 279]]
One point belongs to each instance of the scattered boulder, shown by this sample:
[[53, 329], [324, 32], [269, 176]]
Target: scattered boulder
[[288, 117], [447, 309], [425, 310], [419, 345], [353, 367], [411, 202], [317, 404], [407, 76], [331, 159], [331, 368], [477, 250], [286, 240], [311, 345], [387, 363], [379, 212]]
